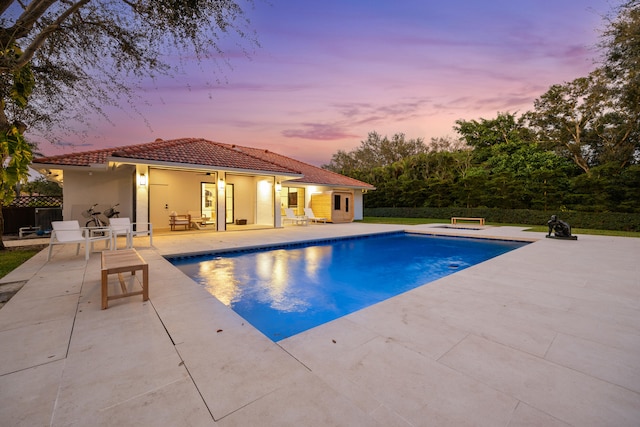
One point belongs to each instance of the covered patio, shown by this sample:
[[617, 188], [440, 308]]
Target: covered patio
[[217, 184]]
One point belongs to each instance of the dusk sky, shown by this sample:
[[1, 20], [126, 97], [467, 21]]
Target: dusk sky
[[328, 73]]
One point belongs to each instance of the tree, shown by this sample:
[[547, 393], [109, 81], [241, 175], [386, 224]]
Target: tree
[[15, 152], [42, 187], [595, 120], [585, 121], [375, 151], [483, 134], [510, 170], [344, 163], [526, 176], [78, 56], [88, 54], [621, 63], [15, 157]]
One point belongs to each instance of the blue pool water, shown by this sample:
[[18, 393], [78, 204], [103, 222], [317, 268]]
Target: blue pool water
[[284, 291]]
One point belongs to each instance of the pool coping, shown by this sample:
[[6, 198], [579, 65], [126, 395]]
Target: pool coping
[[187, 259], [301, 243]]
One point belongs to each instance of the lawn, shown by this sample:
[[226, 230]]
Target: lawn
[[537, 228], [11, 258]]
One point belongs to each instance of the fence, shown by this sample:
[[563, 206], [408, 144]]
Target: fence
[[31, 211]]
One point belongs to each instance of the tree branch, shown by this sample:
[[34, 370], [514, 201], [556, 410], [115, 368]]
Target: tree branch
[[39, 40], [4, 5], [29, 17]]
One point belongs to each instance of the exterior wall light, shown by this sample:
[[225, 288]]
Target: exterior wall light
[[143, 180]]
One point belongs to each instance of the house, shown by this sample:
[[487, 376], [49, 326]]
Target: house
[[220, 184]]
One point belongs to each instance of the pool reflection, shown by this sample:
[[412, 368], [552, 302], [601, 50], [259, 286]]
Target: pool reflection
[[277, 281], [315, 258], [220, 280], [273, 274]]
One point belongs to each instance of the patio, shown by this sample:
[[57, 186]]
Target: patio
[[548, 335]]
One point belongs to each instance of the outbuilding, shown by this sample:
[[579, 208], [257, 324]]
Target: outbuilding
[[225, 186], [335, 205]]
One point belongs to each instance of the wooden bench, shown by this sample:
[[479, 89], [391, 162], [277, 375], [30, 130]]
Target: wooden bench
[[119, 262], [455, 219]]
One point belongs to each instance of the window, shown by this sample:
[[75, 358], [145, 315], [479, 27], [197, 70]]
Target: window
[[336, 202], [346, 204], [208, 199], [293, 199]]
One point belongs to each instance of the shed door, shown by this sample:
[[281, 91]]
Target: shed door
[[342, 207]]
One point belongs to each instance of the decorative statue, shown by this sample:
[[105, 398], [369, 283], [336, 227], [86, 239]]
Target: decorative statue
[[561, 229]]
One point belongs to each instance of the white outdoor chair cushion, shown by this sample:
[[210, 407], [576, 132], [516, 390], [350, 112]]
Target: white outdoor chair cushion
[[292, 217], [309, 213]]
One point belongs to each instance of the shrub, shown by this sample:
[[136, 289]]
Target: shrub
[[596, 220]]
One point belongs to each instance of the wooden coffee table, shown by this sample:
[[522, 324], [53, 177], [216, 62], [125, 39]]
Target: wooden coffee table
[[118, 262]]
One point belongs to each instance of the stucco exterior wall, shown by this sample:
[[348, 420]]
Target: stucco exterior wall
[[244, 200], [173, 191], [82, 189], [264, 189], [358, 205]]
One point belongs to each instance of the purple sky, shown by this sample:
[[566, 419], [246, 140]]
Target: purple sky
[[329, 72]]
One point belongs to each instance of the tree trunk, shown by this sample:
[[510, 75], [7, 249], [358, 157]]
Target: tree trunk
[[4, 126], [2, 247]]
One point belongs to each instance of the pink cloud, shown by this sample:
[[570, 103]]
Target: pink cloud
[[318, 131]]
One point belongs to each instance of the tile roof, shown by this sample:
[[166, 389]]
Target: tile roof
[[185, 151], [201, 152], [312, 174]]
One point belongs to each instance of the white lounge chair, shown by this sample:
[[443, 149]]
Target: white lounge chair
[[309, 213], [124, 227], [199, 221], [292, 217], [69, 232]]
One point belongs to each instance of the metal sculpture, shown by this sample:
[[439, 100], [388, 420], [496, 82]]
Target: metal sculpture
[[560, 229]]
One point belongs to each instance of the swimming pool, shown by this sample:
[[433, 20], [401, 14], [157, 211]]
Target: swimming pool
[[285, 290]]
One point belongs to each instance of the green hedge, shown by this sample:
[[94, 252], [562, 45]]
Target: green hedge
[[600, 221]]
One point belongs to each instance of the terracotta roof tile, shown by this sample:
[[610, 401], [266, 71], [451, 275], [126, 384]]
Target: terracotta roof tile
[[201, 152], [312, 174], [77, 159]]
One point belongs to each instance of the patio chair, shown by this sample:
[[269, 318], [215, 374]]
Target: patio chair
[[124, 227], [292, 217], [309, 213], [176, 220], [69, 232]]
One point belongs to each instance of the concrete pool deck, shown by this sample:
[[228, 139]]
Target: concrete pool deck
[[546, 335]]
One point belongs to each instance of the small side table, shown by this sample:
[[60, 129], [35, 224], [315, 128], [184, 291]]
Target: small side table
[[119, 262]]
